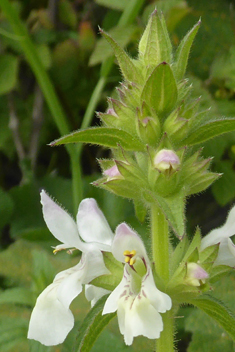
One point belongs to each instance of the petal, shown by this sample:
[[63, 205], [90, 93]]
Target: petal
[[160, 301], [225, 231], [50, 321], [70, 284], [93, 293], [136, 316], [226, 255], [111, 305], [127, 239], [93, 226], [94, 264], [90, 266], [144, 320], [60, 223]]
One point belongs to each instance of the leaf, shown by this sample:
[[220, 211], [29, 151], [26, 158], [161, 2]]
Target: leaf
[[155, 46], [16, 262], [92, 326], [126, 64], [209, 130], [103, 50], [140, 210], [36, 346], [18, 295], [12, 332], [196, 243], [182, 52], [218, 311], [8, 72], [224, 189], [178, 254], [173, 209], [108, 341], [113, 4], [160, 90], [107, 137], [120, 187]]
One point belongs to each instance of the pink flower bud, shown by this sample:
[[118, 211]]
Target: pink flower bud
[[166, 159], [196, 275], [111, 111], [112, 172]]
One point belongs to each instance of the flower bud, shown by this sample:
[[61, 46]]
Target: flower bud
[[166, 160], [112, 172], [111, 111], [196, 275]]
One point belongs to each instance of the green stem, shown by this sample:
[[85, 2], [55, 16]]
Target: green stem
[[160, 242], [127, 17], [166, 341], [48, 90], [160, 250]]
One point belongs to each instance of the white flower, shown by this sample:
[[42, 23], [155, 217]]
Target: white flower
[[226, 254], [136, 299], [51, 319], [93, 293]]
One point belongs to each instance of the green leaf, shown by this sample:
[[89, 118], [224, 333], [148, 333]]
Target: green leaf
[[126, 64], [92, 326], [36, 346], [43, 271], [209, 130], [123, 35], [160, 90], [108, 341], [224, 189], [173, 209], [140, 210], [219, 271], [155, 46], [196, 243], [120, 187], [113, 4], [182, 52], [17, 295], [218, 311], [16, 262], [107, 137], [12, 332], [178, 254], [8, 72]]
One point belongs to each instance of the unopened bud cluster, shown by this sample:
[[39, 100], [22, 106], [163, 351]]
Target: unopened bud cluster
[[155, 109]]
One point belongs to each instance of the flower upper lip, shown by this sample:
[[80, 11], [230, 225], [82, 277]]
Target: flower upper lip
[[91, 231], [221, 236]]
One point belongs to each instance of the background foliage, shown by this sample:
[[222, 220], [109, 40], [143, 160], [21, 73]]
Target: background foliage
[[65, 35]]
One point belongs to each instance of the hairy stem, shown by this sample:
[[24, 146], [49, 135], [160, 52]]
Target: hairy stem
[[160, 250], [160, 242]]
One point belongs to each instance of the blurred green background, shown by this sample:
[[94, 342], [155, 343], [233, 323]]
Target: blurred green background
[[70, 50]]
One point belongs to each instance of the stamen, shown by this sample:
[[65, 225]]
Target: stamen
[[129, 256], [132, 261], [58, 250], [126, 253]]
